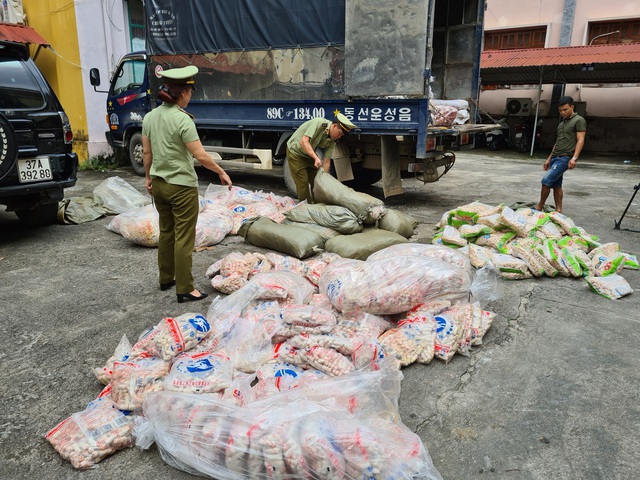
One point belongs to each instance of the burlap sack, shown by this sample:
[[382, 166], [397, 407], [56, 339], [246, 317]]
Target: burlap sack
[[291, 240], [360, 245]]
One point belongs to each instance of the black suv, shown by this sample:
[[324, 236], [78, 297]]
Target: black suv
[[36, 160]]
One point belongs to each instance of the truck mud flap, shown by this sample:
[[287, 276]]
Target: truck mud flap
[[391, 180], [431, 171]]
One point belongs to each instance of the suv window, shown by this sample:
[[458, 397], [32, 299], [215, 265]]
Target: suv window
[[129, 76], [19, 90]]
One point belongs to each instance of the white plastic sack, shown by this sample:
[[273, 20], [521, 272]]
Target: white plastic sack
[[117, 196]]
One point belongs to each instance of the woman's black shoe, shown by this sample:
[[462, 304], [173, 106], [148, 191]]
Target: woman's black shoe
[[187, 296], [167, 286]]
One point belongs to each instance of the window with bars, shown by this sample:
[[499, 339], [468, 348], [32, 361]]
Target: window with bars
[[136, 25], [614, 31], [515, 39]]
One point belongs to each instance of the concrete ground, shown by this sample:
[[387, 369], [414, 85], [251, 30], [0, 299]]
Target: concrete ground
[[552, 392]]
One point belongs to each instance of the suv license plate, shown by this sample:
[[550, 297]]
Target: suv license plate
[[34, 169]]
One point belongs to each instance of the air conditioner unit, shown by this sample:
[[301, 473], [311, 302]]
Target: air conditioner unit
[[11, 11], [519, 107]]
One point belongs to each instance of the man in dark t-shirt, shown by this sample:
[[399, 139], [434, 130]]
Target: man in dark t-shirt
[[570, 137]]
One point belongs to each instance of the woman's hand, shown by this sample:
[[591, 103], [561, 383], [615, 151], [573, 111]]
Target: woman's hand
[[148, 186], [225, 179]]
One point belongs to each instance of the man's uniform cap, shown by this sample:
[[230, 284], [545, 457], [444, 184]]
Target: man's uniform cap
[[345, 123]]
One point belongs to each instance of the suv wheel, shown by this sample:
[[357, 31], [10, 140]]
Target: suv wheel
[[135, 153], [40, 215], [8, 147]]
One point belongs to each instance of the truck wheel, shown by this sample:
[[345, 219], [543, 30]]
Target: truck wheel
[[362, 177], [135, 153], [40, 215], [288, 179], [8, 147]]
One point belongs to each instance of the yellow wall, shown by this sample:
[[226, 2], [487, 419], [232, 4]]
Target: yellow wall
[[55, 20]]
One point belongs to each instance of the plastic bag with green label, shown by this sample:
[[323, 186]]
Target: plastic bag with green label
[[585, 262], [451, 236], [612, 287], [631, 261], [605, 266], [472, 231], [573, 265], [496, 240]]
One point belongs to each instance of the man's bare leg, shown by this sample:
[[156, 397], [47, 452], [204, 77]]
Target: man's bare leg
[[544, 194], [557, 197]]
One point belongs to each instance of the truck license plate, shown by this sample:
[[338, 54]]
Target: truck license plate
[[34, 169], [518, 135]]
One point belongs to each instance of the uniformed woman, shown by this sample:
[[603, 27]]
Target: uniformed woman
[[169, 140]]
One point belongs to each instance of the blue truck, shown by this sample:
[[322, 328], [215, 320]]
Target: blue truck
[[266, 66]]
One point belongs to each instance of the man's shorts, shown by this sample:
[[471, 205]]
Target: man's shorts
[[553, 177]]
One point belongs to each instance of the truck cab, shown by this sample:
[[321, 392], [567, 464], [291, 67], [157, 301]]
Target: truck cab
[[128, 101]]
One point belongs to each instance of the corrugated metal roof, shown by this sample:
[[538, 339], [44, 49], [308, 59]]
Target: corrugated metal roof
[[616, 63], [21, 34]]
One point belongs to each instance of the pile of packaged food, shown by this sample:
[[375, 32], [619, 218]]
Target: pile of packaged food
[[526, 243]]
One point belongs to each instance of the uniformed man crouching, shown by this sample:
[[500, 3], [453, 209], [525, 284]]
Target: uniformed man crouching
[[317, 133]]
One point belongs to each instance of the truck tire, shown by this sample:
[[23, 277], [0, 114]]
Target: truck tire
[[8, 147], [362, 177], [288, 179], [40, 215], [135, 153]]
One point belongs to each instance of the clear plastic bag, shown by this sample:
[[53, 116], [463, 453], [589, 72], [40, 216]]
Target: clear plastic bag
[[117, 196], [140, 226], [86, 437], [121, 354], [347, 428], [392, 285], [263, 286], [214, 224]]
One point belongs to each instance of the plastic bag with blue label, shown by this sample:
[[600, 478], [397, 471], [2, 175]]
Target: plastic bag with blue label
[[173, 336], [122, 352], [199, 372]]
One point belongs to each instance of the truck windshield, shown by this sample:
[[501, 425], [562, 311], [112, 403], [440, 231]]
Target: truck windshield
[[19, 90], [129, 76]]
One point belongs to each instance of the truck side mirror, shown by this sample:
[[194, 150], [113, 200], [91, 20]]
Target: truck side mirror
[[94, 77]]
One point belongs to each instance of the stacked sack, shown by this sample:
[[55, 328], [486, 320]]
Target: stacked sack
[[527, 243], [343, 221]]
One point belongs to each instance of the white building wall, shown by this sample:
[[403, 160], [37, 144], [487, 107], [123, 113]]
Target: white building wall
[[103, 37], [608, 101]]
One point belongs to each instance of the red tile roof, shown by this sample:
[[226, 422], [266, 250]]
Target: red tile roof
[[613, 53], [613, 63], [21, 34]]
